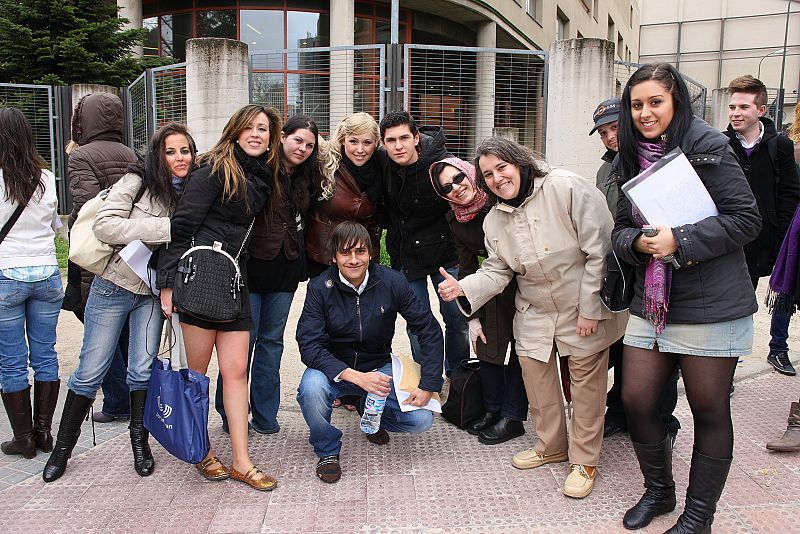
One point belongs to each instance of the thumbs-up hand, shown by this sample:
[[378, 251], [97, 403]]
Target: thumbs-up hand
[[449, 288]]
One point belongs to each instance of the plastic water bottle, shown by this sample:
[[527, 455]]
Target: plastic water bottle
[[373, 409]]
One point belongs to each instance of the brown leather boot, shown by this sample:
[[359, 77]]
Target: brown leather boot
[[45, 396], [18, 408], [790, 442]]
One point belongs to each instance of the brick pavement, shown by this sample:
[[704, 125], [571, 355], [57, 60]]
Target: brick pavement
[[439, 481]]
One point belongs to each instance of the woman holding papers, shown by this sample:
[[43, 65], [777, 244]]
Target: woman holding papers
[[693, 300], [490, 329], [550, 230], [138, 207]]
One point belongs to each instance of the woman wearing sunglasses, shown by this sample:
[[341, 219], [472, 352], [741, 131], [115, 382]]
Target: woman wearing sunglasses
[[490, 329]]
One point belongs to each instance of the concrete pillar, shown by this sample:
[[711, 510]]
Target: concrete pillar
[[131, 10], [581, 75], [342, 61], [719, 108], [484, 121], [82, 89], [217, 84]]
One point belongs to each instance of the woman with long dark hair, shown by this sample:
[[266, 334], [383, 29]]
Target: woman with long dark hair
[[137, 207], [275, 267], [30, 287], [236, 179], [694, 311]]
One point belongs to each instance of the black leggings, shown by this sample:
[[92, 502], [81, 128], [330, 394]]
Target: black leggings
[[707, 381]]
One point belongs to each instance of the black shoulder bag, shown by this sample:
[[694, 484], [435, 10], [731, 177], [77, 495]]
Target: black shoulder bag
[[209, 283]]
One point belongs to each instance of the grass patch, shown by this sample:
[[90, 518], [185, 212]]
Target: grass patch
[[62, 251], [384, 255]]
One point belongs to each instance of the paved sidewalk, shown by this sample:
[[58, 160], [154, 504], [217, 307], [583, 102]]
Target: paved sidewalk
[[439, 481]]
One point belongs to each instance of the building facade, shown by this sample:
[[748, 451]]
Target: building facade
[[715, 41]]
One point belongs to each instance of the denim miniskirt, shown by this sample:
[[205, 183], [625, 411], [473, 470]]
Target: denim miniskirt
[[728, 339]]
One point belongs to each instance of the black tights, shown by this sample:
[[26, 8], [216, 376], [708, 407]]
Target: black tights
[[707, 381]]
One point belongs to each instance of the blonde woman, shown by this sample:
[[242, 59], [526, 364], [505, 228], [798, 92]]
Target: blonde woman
[[350, 188], [236, 179]]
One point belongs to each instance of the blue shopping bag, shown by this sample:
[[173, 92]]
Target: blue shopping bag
[[176, 411]]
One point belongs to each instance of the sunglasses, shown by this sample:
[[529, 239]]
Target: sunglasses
[[457, 179]]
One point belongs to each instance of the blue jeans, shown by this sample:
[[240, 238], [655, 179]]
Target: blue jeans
[[116, 401], [270, 312], [28, 309], [456, 330], [779, 326], [316, 393], [108, 308]]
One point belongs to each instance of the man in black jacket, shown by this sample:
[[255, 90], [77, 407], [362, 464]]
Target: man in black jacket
[[345, 337], [767, 160], [418, 239]]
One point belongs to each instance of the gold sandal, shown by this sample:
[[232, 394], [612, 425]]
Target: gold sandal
[[216, 473], [266, 483]]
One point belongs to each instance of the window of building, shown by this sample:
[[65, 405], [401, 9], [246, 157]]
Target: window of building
[[175, 31], [150, 44], [630, 19], [619, 46], [261, 29], [611, 30], [562, 25], [534, 8], [216, 24], [595, 8], [580, 35]]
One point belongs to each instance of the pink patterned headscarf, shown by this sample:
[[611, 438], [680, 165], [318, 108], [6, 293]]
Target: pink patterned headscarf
[[464, 212]]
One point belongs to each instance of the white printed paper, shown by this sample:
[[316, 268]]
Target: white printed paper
[[433, 405], [670, 193], [137, 255]]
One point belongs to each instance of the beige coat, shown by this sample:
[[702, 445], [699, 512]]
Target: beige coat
[[117, 224], [555, 244]]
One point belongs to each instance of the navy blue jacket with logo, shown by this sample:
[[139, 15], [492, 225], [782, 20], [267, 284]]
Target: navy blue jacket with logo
[[340, 329]]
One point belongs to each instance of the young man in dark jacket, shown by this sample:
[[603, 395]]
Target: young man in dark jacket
[[767, 160], [418, 239], [345, 337]]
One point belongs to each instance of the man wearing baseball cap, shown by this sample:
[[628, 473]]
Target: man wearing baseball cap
[[605, 123]]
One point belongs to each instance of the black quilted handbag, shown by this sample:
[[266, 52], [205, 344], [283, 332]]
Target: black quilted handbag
[[209, 283]]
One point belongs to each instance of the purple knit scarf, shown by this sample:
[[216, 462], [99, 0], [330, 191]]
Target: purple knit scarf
[[784, 274], [658, 275]]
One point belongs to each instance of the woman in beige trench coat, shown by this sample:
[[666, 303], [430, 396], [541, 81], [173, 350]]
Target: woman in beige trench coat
[[551, 230]]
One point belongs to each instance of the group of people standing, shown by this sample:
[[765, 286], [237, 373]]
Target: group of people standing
[[516, 249]]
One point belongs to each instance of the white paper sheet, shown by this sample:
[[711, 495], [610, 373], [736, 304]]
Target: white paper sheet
[[137, 255], [670, 193], [397, 375]]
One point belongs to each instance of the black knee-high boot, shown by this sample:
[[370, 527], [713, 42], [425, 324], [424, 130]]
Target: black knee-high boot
[[655, 461], [45, 396], [18, 408], [76, 408], [143, 460], [707, 478]]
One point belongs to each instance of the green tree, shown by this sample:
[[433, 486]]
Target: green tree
[[61, 42]]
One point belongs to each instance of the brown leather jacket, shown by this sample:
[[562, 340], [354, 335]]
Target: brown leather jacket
[[269, 235], [348, 203]]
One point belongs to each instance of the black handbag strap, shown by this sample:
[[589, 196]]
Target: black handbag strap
[[14, 216], [244, 241]]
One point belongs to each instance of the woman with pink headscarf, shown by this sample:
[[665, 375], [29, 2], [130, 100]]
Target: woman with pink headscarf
[[490, 326]]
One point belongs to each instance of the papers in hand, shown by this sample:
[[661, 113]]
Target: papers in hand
[[670, 193], [405, 379], [137, 255]]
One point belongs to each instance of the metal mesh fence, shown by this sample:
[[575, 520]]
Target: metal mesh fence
[[697, 92], [169, 90], [474, 93], [36, 102], [138, 116], [325, 83]]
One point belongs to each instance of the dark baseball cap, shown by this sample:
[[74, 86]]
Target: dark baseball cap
[[606, 112]]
